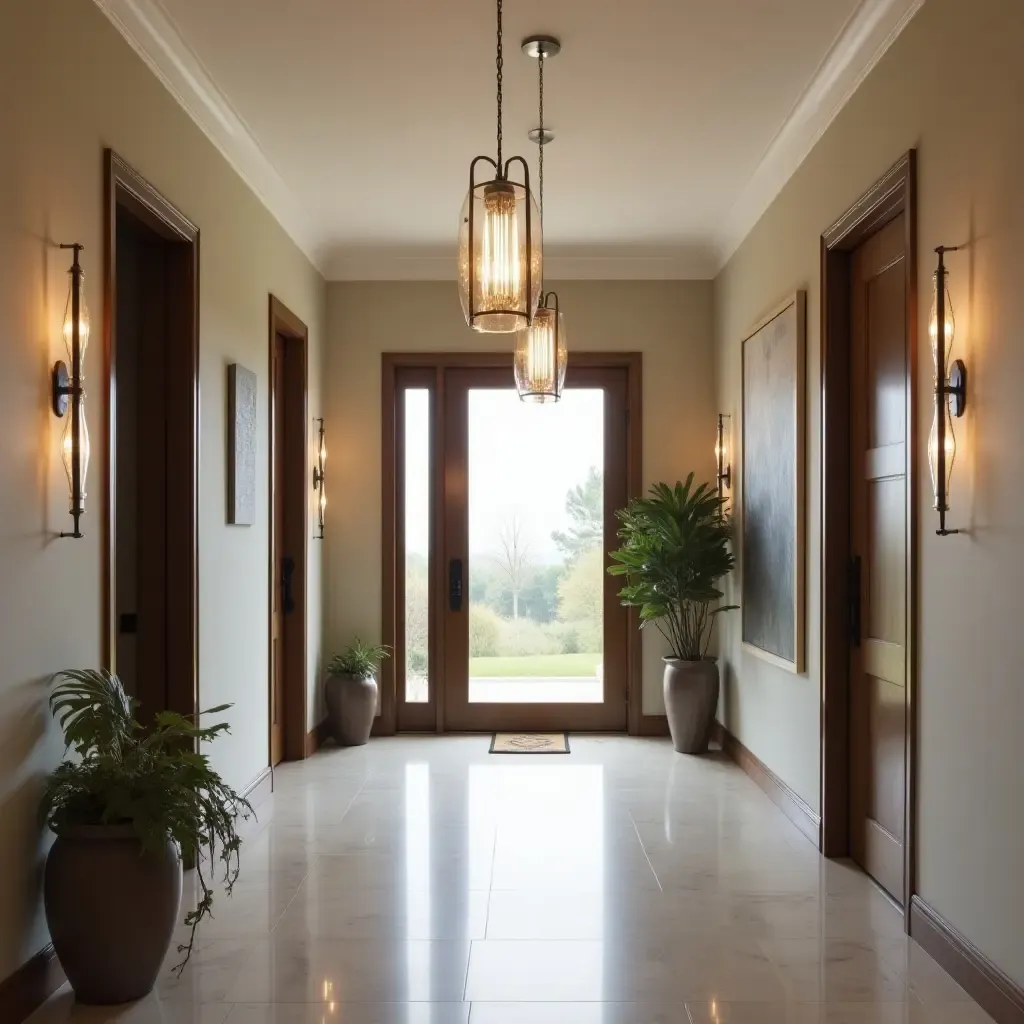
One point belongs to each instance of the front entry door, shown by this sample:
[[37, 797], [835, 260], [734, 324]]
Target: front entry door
[[505, 514], [878, 491]]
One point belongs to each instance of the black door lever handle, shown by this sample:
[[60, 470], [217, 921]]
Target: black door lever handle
[[455, 584]]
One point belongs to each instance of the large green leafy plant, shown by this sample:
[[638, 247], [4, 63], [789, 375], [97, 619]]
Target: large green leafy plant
[[358, 659], [675, 549], [155, 780]]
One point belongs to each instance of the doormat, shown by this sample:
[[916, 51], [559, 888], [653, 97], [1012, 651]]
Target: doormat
[[530, 743]]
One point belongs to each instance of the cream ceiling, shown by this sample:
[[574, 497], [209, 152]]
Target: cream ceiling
[[676, 121]]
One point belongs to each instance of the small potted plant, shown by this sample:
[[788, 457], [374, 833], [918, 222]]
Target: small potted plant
[[675, 548], [351, 692], [123, 810]]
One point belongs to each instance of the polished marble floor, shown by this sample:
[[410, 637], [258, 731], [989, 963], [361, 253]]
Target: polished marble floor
[[423, 881]]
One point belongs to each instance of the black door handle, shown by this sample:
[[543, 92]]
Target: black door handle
[[854, 600], [455, 584], [287, 571]]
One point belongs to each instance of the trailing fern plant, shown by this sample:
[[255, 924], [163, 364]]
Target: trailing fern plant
[[155, 780], [358, 659], [675, 548]]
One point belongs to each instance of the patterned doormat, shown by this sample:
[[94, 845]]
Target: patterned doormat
[[530, 743]]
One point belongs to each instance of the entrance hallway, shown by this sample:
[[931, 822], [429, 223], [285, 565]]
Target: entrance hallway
[[424, 881]]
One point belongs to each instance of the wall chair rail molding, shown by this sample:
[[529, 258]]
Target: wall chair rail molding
[[997, 994]]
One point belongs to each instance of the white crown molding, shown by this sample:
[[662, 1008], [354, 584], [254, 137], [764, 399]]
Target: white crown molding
[[152, 34], [658, 265], [870, 31]]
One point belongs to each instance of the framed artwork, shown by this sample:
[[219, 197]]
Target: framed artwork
[[772, 486], [241, 446]]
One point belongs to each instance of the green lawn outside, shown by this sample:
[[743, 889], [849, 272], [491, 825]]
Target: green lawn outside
[[541, 665]]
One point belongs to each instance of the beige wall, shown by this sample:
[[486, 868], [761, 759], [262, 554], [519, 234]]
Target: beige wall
[[70, 86], [668, 321], [952, 86]]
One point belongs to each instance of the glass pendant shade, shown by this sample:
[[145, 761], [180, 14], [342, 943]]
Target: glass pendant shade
[[83, 325], [67, 451], [541, 357], [500, 257], [933, 324], [949, 444]]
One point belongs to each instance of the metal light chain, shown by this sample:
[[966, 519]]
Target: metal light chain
[[540, 155], [499, 63]]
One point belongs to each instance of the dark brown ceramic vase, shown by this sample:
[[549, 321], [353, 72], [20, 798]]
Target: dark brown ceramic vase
[[111, 909], [691, 702], [351, 707]]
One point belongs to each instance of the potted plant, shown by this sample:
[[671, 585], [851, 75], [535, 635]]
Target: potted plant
[[675, 548], [122, 811], [351, 692]]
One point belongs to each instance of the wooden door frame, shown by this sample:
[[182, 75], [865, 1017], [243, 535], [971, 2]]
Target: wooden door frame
[[282, 321], [392, 365], [894, 193], [124, 187]]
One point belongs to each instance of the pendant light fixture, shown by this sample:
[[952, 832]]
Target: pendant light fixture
[[500, 243], [541, 352]]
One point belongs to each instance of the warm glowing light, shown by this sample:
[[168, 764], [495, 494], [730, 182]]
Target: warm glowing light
[[500, 266], [933, 324], [541, 356], [67, 452], [949, 444], [83, 327], [501, 272], [323, 500]]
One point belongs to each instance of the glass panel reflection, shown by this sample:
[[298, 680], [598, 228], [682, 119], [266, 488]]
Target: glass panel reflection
[[536, 548]]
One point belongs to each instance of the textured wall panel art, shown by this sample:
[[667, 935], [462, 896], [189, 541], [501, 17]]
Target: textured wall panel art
[[241, 445], [772, 490]]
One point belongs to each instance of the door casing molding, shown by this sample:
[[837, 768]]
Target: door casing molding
[[392, 365], [282, 321], [894, 193]]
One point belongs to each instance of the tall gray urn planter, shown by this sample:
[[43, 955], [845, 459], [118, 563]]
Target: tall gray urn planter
[[351, 707], [111, 908], [691, 700]]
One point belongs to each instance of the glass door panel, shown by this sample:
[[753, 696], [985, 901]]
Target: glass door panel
[[533, 634], [536, 548]]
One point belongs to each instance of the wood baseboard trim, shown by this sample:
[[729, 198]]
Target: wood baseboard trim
[[30, 986], [792, 805], [996, 993], [315, 737], [653, 725]]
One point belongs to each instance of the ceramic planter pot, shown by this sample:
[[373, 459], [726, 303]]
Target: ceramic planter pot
[[351, 707], [691, 700], [111, 908]]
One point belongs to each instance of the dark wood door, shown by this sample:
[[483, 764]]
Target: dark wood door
[[530, 494], [282, 572], [878, 493]]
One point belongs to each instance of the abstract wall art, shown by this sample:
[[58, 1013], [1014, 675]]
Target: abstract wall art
[[772, 486], [241, 445]]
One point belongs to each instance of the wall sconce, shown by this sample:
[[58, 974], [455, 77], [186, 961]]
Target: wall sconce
[[319, 480], [722, 457], [950, 391], [68, 390]]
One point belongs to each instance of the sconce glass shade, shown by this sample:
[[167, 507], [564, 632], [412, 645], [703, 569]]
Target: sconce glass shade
[[503, 257], [67, 453], [933, 324], [83, 323], [949, 444], [541, 357]]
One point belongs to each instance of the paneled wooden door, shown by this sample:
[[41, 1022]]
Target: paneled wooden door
[[878, 528], [501, 613]]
